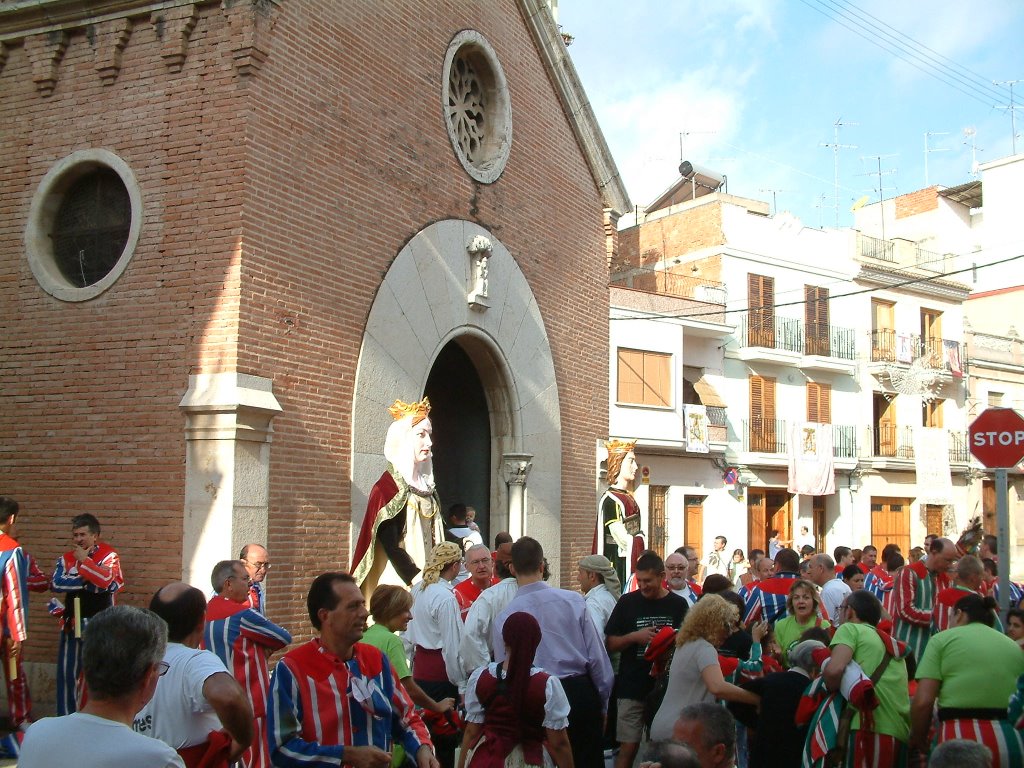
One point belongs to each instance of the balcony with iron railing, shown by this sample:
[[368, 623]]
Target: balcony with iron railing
[[875, 249], [771, 436], [897, 442], [793, 335], [882, 441], [668, 283], [903, 254], [888, 346]]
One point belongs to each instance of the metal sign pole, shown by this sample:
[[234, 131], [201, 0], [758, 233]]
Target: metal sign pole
[[1003, 532]]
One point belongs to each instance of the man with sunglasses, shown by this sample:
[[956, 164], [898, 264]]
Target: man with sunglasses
[[257, 562], [122, 653]]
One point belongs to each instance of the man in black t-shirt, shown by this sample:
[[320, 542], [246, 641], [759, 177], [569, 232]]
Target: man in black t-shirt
[[636, 619]]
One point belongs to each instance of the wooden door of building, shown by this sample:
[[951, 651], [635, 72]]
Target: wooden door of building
[[768, 509], [816, 330], [883, 334], [693, 533], [890, 522], [988, 506], [885, 442], [762, 415], [933, 519], [818, 516], [656, 518], [760, 311]]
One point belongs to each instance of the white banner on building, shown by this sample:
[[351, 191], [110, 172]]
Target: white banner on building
[[695, 428], [811, 461], [931, 459]]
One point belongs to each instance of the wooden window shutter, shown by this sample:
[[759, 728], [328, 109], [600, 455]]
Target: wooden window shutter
[[657, 380], [630, 376], [819, 402], [756, 397], [769, 399]]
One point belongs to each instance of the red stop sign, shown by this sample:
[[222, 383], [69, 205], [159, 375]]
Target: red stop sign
[[997, 438]]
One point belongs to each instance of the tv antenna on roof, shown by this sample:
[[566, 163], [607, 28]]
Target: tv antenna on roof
[[881, 190], [928, 150], [1013, 111], [835, 147], [683, 135], [970, 132]]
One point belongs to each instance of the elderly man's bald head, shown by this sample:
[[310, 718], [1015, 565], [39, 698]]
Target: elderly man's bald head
[[183, 607]]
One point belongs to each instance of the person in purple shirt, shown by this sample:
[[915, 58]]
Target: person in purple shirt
[[571, 649]]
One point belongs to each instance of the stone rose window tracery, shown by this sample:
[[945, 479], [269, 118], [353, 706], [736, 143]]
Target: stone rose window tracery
[[476, 105], [466, 104]]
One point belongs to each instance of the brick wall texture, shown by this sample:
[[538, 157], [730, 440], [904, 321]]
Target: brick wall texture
[[668, 237], [274, 203], [917, 202]]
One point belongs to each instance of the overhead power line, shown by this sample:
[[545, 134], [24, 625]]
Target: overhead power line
[[922, 52], [909, 51], [901, 284]]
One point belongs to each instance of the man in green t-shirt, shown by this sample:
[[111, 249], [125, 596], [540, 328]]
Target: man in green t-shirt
[[859, 640]]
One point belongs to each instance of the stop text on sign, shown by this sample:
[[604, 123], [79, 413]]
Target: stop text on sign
[[981, 439]]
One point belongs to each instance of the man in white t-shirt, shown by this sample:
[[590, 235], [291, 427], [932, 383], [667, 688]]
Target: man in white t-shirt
[[717, 560], [198, 696], [122, 649], [833, 591]]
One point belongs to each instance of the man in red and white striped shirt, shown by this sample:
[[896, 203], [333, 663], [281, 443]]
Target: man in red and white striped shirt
[[335, 700], [89, 575], [13, 603], [243, 638]]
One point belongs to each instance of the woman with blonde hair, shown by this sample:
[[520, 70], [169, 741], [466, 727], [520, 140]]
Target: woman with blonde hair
[[391, 609], [695, 675], [802, 606]]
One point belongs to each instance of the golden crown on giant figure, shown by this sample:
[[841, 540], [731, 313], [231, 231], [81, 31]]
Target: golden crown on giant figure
[[418, 411], [620, 446]]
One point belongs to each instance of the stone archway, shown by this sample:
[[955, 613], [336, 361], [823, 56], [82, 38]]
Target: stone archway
[[435, 292]]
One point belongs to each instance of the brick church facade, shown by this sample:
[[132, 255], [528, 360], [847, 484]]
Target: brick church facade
[[318, 207]]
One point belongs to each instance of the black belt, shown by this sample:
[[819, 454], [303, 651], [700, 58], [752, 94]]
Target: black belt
[[970, 713]]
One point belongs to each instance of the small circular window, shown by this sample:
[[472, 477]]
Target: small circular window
[[83, 225], [478, 112]]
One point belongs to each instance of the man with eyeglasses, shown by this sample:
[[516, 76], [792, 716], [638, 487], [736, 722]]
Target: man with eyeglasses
[[257, 562], [677, 571], [478, 563], [243, 639], [122, 652], [199, 709]]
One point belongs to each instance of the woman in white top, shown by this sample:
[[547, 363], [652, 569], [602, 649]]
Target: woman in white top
[[695, 675]]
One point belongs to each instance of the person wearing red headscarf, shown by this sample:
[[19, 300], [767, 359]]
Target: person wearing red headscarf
[[516, 714]]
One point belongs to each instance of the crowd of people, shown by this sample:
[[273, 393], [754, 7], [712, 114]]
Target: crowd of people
[[435, 650], [485, 663]]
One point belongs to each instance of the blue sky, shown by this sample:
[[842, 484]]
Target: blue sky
[[759, 84]]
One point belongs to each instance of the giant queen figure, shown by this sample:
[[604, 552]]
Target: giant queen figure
[[403, 521], [618, 514]]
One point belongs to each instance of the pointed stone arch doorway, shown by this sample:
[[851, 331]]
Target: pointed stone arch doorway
[[435, 324]]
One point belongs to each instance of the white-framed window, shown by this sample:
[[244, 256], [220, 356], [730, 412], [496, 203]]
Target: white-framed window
[[83, 224], [644, 378]]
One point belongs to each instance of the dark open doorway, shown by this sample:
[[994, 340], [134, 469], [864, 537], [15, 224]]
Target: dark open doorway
[[462, 434]]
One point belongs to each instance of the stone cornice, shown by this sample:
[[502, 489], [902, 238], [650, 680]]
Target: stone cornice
[[44, 27], [22, 18], [560, 69], [925, 285]]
